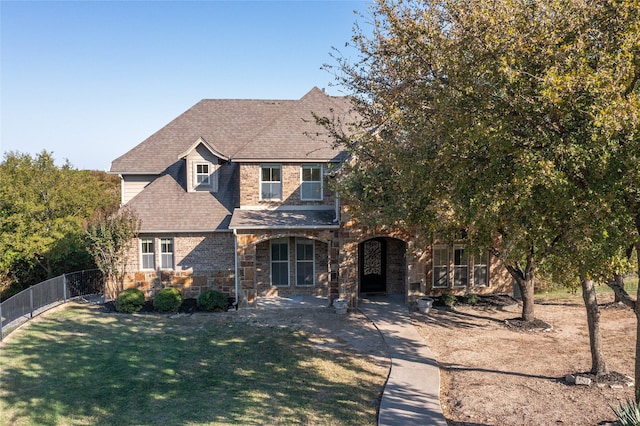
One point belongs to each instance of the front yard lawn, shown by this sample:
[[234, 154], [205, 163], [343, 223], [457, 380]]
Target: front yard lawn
[[81, 366]]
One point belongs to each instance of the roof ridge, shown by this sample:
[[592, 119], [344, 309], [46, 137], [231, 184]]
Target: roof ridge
[[292, 103]]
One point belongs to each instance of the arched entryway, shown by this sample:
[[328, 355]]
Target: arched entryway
[[382, 265]]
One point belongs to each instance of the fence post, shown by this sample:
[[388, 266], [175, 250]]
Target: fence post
[[0, 321], [64, 287], [31, 300]]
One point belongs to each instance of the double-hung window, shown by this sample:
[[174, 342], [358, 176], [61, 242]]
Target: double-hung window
[[202, 174], [280, 262], [480, 270], [166, 253], [271, 182], [460, 266], [441, 266], [147, 251], [311, 183], [304, 262]]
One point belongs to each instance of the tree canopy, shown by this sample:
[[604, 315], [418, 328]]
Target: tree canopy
[[42, 211], [515, 120]]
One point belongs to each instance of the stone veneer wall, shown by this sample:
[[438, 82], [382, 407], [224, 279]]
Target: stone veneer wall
[[399, 255], [263, 261], [250, 187], [201, 262], [253, 258]]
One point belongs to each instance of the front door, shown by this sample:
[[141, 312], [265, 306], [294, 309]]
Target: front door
[[373, 266]]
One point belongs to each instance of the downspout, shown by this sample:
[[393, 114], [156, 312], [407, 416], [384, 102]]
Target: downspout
[[337, 208], [235, 243]]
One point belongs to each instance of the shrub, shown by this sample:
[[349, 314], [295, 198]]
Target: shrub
[[167, 300], [130, 300], [448, 299], [628, 414], [471, 298], [212, 300]]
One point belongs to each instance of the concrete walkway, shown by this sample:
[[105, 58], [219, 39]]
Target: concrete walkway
[[412, 393]]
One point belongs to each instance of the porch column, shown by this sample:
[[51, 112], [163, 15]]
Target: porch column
[[246, 253]]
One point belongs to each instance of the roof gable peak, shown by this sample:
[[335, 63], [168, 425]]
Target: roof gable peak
[[209, 147]]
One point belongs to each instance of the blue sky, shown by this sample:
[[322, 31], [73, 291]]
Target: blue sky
[[89, 80]]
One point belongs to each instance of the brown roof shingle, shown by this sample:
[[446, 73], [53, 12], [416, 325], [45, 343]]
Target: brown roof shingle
[[165, 205], [244, 130]]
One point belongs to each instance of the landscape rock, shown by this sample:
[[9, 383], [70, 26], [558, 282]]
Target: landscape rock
[[583, 381]]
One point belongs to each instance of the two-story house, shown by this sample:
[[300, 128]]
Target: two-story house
[[234, 195]]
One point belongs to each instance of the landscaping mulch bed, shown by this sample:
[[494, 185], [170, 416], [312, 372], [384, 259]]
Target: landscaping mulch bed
[[188, 306]]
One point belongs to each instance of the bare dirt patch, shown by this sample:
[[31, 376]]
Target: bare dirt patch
[[496, 371], [351, 332]]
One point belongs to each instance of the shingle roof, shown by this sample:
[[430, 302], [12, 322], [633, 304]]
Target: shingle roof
[[283, 219], [244, 130], [166, 206]]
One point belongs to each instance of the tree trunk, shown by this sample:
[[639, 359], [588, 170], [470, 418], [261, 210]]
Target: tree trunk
[[527, 288], [619, 279], [525, 278], [637, 311], [598, 364]]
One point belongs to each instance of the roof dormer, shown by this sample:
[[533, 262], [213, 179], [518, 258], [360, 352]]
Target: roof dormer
[[203, 161]]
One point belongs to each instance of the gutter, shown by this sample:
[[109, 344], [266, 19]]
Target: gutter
[[276, 227], [235, 244]]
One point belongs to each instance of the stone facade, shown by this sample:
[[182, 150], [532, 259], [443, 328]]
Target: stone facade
[[207, 261], [250, 187], [254, 264], [200, 262]]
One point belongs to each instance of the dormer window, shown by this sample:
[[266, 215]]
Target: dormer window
[[203, 163], [202, 174]]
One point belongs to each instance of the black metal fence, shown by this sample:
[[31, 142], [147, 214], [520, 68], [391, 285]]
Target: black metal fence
[[46, 295]]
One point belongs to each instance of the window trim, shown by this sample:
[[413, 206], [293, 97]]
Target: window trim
[[312, 261], [272, 182], [280, 241], [167, 253], [312, 167], [144, 254], [461, 266], [484, 264], [445, 248], [197, 174]]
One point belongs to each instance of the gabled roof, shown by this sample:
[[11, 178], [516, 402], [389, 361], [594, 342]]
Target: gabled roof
[[212, 149], [242, 130], [166, 206]]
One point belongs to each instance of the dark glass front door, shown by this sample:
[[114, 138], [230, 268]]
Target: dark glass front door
[[373, 266]]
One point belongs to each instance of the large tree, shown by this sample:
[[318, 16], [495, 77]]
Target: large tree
[[42, 209], [517, 120]]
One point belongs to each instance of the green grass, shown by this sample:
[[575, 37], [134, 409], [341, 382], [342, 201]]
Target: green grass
[[563, 293], [78, 366]]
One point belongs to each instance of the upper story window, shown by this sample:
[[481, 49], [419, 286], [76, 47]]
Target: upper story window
[[202, 174], [271, 182], [311, 183]]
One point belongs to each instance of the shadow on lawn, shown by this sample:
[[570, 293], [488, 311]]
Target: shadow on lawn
[[82, 366]]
